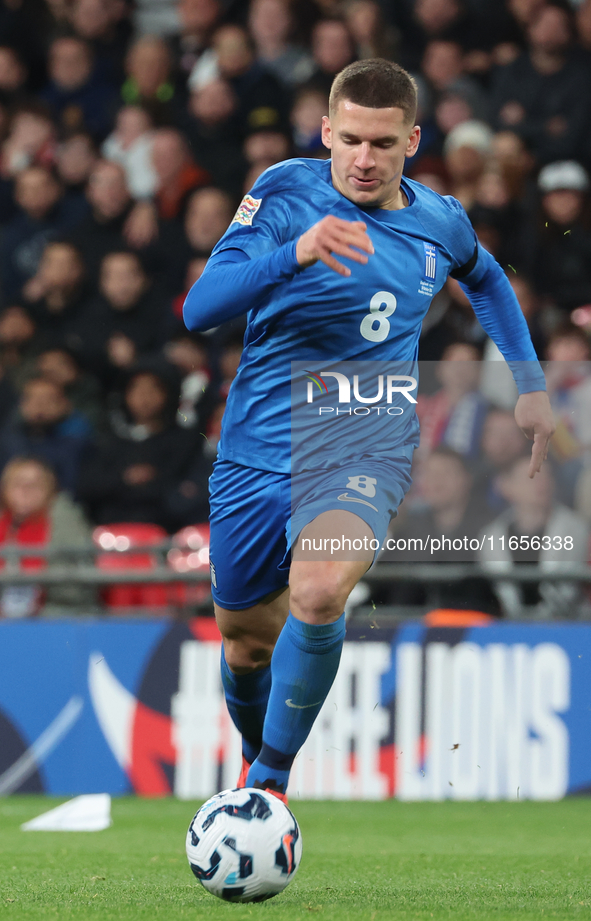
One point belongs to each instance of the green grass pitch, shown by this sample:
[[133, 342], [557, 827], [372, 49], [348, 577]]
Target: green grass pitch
[[368, 861]]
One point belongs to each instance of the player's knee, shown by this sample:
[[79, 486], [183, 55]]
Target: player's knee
[[246, 655], [318, 599]]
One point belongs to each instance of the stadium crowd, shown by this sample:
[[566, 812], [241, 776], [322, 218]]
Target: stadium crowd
[[129, 133]]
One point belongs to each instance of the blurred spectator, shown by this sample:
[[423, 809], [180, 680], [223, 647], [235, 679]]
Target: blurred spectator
[[442, 64], [61, 365], [455, 105], [545, 95], [46, 426], [125, 320], [454, 415], [496, 218], [502, 443], [194, 272], [262, 102], [114, 222], [214, 133], [110, 202], [22, 27], [514, 160], [534, 513], [207, 215], [372, 36], [130, 144], [261, 150], [43, 213], [159, 18], [332, 49], [524, 12], [198, 19], [562, 260], [149, 80], [568, 376], [131, 472], [17, 332], [583, 22], [188, 352], [431, 172], [56, 295], [209, 212], [78, 98], [271, 26], [13, 77], [309, 106], [213, 403], [448, 20], [75, 158], [188, 501], [105, 26], [176, 173], [451, 510], [437, 17], [34, 514], [30, 139], [466, 150]]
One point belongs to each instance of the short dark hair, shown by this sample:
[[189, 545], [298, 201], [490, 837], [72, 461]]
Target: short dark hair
[[377, 84]]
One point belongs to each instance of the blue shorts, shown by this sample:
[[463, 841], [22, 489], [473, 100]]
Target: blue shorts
[[256, 516]]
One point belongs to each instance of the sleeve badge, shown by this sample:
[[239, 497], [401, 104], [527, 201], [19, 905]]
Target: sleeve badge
[[247, 209]]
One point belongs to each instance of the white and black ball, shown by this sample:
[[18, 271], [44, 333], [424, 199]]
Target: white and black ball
[[244, 845]]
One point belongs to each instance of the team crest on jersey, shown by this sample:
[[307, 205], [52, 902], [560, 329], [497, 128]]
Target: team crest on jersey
[[427, 285], [247, 209]]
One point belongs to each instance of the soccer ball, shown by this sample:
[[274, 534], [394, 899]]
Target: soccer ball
[[244, 845]]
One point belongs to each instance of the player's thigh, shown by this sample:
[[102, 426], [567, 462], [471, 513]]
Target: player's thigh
[[340, 518], [319, 587], [248, 545], [250, 635]]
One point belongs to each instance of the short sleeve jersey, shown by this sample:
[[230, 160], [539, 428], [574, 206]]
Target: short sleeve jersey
[[375, 314]]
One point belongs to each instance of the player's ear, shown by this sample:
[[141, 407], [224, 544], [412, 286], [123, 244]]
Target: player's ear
[[413, 142], [326, 132]]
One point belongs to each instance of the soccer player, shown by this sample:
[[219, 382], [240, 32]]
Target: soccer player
[[333, 260]]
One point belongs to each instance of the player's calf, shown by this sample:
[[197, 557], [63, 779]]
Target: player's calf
[[304, 664], [249, 637]]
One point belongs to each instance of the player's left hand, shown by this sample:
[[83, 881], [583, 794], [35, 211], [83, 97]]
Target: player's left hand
[[533, 415]]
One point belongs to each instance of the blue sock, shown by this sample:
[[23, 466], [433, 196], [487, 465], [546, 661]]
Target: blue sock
[[246, 699], [304, 665]]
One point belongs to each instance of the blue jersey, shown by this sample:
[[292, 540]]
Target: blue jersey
[[315, 315]]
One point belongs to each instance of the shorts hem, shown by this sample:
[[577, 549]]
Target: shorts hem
[[243, 605]]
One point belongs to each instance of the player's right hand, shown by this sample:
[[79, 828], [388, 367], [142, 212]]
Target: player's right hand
[[334, 235]]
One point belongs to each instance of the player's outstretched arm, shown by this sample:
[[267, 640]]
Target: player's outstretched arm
[[334, 235], [534, 417], [233, 283], [498, 310]]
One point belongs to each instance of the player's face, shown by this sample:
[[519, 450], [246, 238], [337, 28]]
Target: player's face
[[369, 147]]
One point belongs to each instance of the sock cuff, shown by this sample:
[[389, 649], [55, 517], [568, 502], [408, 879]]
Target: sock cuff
[[316, 638]]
